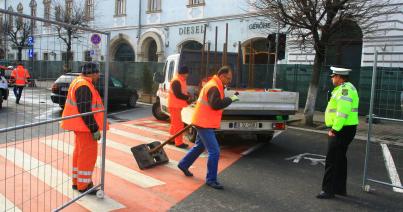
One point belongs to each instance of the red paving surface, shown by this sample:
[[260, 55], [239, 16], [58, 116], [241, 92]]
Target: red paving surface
[[29, 191]]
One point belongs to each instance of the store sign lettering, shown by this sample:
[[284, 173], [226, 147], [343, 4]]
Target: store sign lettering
[[259, 25], [191, 30]]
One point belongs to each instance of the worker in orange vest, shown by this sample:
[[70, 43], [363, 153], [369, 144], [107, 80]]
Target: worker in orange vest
[[83, 97], [19, 77], [178, 98], [206, 118]]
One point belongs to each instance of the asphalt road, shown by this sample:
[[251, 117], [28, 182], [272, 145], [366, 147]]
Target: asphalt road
[[265, 181], [261, 181]]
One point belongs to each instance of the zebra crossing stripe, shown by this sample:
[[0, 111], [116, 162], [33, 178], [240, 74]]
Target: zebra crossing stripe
[[126, 149], [52, 177], [116, 169], [7, 205], [147, 129], [145, 139]]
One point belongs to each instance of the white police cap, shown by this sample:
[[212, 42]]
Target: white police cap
[[340, 71]]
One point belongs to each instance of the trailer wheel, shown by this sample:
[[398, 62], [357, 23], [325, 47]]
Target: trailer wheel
[[157, 113], [264, 138]]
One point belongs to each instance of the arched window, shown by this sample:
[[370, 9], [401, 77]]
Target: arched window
[[124, 52], [20, 9]]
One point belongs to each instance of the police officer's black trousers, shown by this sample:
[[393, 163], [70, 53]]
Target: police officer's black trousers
[[334, 181]]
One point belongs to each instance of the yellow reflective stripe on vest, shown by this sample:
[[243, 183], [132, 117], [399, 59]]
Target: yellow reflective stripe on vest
[[354, 110], [340, 114], [332, 110], [345, 98]]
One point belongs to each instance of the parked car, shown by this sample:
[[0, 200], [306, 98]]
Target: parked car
[[3, 88], [118, 92]]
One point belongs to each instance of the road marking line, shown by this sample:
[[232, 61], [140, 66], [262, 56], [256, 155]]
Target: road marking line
[[259, 145], [116, 169], [159, 132], [7, 205], [145, 139], [52, 177], [252, 149], [126, 149], [155, 123], [124, 111], [390, 166]]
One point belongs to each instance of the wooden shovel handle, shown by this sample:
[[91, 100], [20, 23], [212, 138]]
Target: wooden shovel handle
[[152, 151]]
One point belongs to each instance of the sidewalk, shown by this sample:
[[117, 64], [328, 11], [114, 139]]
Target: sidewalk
[[384, 131]]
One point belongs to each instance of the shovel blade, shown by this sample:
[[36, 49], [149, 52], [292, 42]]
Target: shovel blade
[[147, 160]]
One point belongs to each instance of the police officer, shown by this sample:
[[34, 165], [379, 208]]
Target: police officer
[[83, 97], [206, 118], [341, 117]]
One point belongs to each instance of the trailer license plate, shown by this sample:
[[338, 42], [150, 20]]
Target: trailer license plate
[[247, 125]]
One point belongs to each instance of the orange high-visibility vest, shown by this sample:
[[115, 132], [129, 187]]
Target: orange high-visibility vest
[[204, 115], [20, 74], [173, 101], [70, 108]]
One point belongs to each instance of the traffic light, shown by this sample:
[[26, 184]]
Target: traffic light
[[281, 46], [271, 44]]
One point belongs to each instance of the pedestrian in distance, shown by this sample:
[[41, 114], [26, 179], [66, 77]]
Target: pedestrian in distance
[[83, 97], [341, 117], [178, 98], [19, 77], [206, 118]]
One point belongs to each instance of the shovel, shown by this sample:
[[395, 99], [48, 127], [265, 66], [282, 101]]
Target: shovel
[[153, 154]]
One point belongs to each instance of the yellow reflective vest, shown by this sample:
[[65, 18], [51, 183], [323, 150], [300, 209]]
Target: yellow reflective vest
[[342, 108]]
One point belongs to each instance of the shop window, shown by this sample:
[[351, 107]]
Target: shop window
[[154, 6], [64, 56], [87, 56], [45, 56]]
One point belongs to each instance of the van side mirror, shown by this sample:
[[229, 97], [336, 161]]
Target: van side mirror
[[158, 78]]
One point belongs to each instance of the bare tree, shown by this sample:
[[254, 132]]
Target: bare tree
[[312, 23], [18, 31], [74, 14]]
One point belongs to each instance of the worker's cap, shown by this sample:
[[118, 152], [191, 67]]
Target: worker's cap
[[183, 70], [90, 68], [339, 71]]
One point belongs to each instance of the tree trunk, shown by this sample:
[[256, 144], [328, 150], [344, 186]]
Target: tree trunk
[[313, 87], [19, 54], [68, 52]]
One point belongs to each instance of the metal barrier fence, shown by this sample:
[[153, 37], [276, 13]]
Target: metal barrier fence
[[35, 152], [385, 142]]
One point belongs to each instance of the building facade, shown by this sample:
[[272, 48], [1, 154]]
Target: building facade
[[150, 30]]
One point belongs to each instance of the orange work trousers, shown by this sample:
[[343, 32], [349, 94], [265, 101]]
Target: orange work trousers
[[176, 124], [84, 158]]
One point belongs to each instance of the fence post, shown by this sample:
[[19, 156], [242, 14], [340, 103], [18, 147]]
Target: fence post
[[370, 116], [108, 36]]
